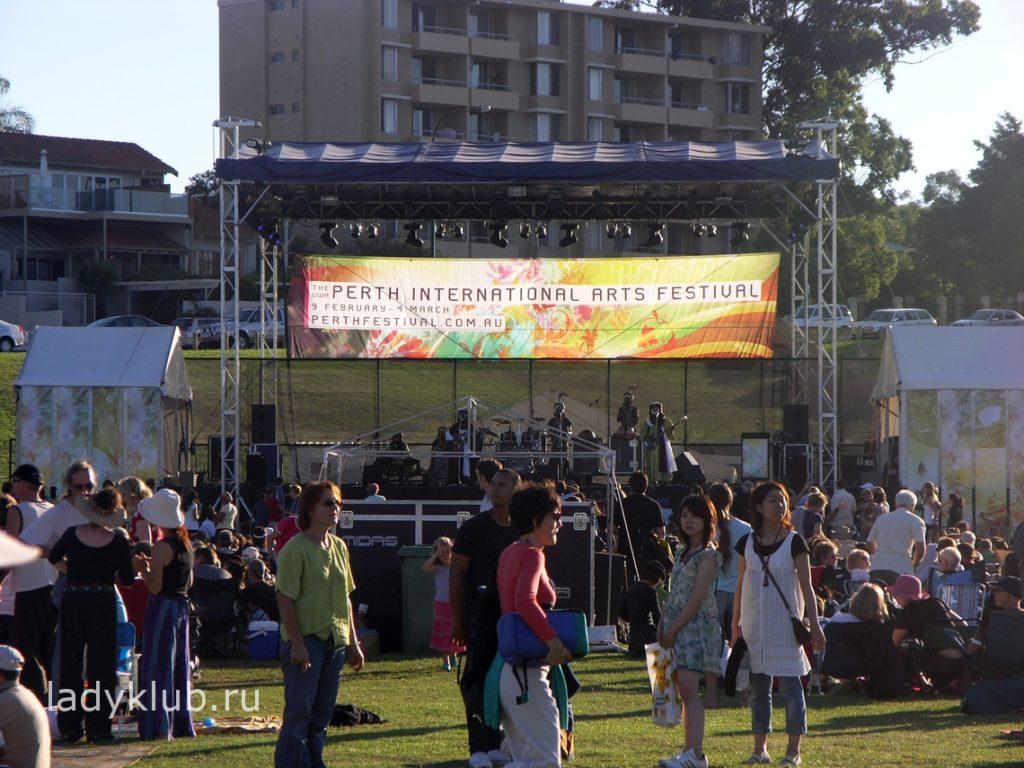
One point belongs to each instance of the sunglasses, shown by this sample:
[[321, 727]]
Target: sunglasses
[[82, 487]]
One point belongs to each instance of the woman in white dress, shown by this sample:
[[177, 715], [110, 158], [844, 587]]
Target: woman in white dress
[[774, 570]]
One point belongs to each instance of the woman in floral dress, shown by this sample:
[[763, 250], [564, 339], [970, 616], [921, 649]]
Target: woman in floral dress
[[689, 622]]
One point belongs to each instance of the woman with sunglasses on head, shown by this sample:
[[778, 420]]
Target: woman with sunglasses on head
[[774, 587], [92, 555]]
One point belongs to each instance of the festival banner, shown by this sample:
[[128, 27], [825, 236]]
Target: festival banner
[[671, 307]]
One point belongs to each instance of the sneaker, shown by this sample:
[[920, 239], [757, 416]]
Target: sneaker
[[791, 761], [447, 665], [676, 760], [497, 757], [480, 760], [758, 759]]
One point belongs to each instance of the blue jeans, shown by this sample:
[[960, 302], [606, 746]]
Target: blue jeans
[[761, 704], [309, 699]]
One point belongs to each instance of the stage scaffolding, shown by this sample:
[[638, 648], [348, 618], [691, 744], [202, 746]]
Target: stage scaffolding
[[811, 245]]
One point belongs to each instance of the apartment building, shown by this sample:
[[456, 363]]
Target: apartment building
[[488, 70], [67, 203]]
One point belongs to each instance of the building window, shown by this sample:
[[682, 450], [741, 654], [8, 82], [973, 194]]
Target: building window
[[595, 129], [737, 98], [389, 14], [738, 49], [389, 116], [545, 79], [296, 54], [275, 5], [545, 127], [595, 84], [276, 57], [595, 34], [296, 107], [277, 109], [295, 4], [389, 64], [547, 28]]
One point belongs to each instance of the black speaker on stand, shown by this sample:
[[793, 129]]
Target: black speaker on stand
[[263, 424], [688, 469], [796, 419], [214, 457]]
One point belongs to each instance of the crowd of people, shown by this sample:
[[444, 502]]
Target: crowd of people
[[790, 589]]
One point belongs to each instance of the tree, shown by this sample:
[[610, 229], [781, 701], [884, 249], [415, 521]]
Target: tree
[[97, 278], [202, 188], [820, 54], [13, 119]]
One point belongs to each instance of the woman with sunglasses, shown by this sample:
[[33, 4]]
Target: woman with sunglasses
[[774, 586], [93, 555]]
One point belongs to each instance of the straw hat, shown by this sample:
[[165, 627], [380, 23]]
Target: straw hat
[[89, 507], [163, 509]]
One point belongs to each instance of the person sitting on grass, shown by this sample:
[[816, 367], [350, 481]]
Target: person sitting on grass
[[639, 608], [922, 618]]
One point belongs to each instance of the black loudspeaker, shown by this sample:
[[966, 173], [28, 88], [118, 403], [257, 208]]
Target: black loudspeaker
[[796, 470], [688, 469], [214, 457], [256, 470], [264, 423], [796, 423], [850, 469]]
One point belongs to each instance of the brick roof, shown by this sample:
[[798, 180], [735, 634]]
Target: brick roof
[[90, 153]]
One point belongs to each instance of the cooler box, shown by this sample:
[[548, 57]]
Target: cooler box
[[263, 638]]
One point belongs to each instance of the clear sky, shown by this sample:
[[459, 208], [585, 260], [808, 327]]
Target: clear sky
[[146, 71]]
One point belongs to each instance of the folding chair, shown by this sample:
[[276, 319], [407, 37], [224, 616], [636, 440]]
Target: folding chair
[[128, 681], [966, 600]]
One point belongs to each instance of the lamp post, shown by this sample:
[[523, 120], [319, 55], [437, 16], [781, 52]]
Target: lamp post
[[433, 136]]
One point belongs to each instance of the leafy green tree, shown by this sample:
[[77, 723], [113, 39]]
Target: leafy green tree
[[13, 119], [97, 278], [202, 187]]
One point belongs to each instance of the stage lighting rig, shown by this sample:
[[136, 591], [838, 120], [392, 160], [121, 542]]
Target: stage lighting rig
[[412, 236], [541, 230], [570, 238], [373, 230], [499, 233], [268, 231], [327, 234], [524, 229], [356, 229], [654, 237], [611, 230], [439, 230], [741, 234]]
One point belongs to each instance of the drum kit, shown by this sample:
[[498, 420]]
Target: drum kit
[[521, 448]]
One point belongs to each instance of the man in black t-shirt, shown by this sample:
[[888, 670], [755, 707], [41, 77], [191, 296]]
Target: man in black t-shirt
[[642, 516], [639, 607], [478, 544]]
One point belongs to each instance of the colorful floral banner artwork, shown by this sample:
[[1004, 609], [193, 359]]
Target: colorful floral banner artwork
[[990, 457], [922, 439], [648, 308]]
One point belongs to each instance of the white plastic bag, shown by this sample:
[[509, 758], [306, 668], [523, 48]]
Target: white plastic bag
[[667, 706]]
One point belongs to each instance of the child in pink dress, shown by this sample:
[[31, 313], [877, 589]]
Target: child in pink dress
[[439, 564]]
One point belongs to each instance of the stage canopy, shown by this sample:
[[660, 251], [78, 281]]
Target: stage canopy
[[955, 398], [527, 163]]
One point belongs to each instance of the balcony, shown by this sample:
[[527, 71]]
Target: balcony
[[14, 195], [639, 109], [439, 40], [552, 104], [495, 95], [541, 52], [690, 114], [741, 72], [494, 45], [433, 90], [695, 66], [737, 121], [648, 61]]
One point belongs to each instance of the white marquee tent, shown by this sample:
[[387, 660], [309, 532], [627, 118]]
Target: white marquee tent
[[118, 397], [955, 398]]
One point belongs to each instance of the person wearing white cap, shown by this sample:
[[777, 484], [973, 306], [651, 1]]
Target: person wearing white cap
[[26, 731], [164, 673]]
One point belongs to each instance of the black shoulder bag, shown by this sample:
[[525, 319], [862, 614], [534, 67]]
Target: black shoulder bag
[[801, 631]]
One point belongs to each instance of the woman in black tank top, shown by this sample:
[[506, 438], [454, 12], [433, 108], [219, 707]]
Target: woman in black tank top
[[165, 673]]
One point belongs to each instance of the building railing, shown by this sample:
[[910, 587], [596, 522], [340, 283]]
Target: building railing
[[77, 308], [115, 200], [682, 104], [492, 137], [492, 86], [640, 51], [492, 35], [438, 30], [650, 102], [680, 55], [439, 81]]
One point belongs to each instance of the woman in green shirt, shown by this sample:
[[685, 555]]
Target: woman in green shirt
[[314, 582]]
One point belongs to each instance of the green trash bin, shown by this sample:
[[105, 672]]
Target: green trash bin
[[417, 600]]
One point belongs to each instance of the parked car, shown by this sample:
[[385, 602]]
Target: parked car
[[191, 330], [125, 321], [817, 316], [998, 317], [11, 336], [881, 320], [248, 329]]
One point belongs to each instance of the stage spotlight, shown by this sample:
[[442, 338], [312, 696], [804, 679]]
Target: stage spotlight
[[499, 233], [327, 234], [541, 229], [741, 234], [412, 236], [268, 232], [355, 229], [710, 230], [524, 229], [611, 230], [654, 238], [456, 230], [696, 229], [625, 230], [373, 230], [440, 229], [798, 227], [570, 237]]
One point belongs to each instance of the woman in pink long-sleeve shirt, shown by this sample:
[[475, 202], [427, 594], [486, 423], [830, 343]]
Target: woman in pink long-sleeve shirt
[[531, 727]]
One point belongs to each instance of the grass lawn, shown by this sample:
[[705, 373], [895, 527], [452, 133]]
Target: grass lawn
[[424, 713]]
